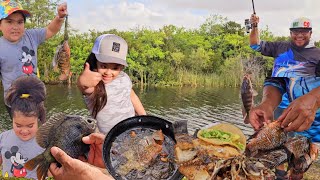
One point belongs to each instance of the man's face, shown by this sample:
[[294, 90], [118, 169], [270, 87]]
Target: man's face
[[301, 36], [12, 27]]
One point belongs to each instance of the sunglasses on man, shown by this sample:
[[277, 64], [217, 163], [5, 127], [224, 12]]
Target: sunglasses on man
[[300, 31]]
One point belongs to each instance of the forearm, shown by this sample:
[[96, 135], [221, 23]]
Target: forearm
[[138, 107], [54, 27], [254, 36], [271, 96], [316, 94]]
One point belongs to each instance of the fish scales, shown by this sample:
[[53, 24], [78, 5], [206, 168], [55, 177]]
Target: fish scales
[[65, 132], [61, 58], [247, 95], [269, 137]]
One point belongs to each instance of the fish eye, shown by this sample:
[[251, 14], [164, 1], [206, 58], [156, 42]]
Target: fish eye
[[78, 126]]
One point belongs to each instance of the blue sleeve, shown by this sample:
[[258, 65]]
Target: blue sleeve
[[256, 47], [266, 48], [278, 82]]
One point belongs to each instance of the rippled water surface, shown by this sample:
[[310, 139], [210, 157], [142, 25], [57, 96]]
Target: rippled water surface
[[200, 106]]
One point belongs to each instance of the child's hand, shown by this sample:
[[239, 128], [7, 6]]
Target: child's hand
[[62, 10], [89, 78]]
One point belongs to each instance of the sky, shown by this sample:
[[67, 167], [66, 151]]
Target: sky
[[154, 14]]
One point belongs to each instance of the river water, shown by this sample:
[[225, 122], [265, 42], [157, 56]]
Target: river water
[[200, 106]]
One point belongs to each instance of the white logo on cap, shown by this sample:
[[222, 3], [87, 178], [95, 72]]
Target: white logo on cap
[[116, 47]]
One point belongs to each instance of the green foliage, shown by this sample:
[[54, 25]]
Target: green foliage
[[210, 55]]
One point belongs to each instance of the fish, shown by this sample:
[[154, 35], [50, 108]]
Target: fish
[[247, 96], [268, 137], [273, 158], [65, 132], [61, 59], [302, 153], [140, 150], [184, 148]]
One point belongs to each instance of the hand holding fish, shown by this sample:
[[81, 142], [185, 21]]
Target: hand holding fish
[[73, 168], [62, 10], [261, 114], [300, 114], [95, 154]]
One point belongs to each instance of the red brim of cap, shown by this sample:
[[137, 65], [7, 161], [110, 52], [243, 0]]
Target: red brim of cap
[[24, 12]]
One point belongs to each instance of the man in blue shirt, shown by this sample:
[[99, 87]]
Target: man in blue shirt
[[297, 62], [295, 81]]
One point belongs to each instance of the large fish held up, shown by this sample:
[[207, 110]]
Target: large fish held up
[[65, 132], [61, 58], [247, 95]]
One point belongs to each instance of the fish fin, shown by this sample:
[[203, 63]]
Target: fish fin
[[246, 119], [55, 68], [34, 162], [47, 130], [254, 92], [63, 77], [195, 134], [42, 170], [56, 57], [180, 127], [245, 116]]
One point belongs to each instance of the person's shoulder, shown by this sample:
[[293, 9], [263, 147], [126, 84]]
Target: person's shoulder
[[35, 30], [6, 134], [124, 74]]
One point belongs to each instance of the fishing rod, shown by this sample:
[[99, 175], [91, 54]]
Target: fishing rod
[[248, 24]]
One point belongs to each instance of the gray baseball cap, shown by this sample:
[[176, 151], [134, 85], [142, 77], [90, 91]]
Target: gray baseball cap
[[110, 48]]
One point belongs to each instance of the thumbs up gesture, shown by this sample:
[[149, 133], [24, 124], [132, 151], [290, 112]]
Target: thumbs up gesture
[[88, 80]]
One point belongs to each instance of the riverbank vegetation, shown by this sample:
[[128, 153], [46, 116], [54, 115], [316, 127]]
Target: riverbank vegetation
[[213, 54]]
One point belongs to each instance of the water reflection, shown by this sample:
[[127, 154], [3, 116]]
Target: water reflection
[[200, 106]]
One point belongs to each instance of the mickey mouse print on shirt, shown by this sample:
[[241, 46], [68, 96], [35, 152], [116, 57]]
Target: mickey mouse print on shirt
[[18, 161], [26, 59]]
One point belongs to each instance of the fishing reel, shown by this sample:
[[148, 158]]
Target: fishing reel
[[248, 25]]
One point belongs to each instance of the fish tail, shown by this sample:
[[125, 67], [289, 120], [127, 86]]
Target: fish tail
[[63, 77], [33, 163], [43, 166], [42, 170], [180, 127], [246, 118]]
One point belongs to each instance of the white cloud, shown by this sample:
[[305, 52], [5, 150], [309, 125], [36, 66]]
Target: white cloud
[[128, 14]]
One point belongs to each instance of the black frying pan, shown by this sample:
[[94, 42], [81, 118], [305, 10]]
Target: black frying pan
[[147, 121]]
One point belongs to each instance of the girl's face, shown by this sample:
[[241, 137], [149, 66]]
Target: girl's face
[[109, 71], [25, 127], [12, 27]]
